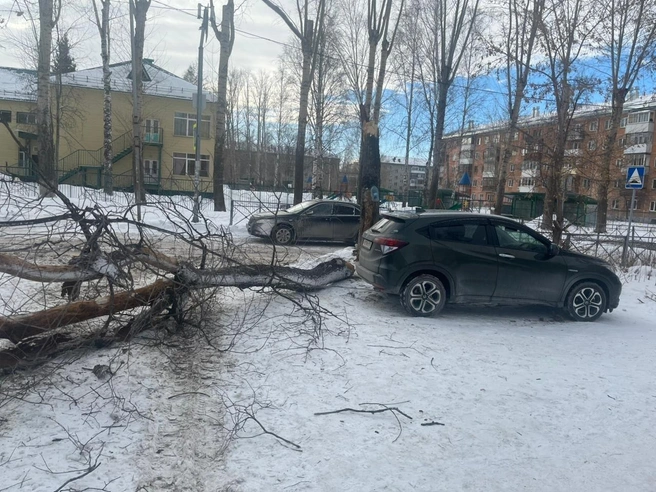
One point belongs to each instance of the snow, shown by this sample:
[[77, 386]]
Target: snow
[[528, 399], [19, 84]]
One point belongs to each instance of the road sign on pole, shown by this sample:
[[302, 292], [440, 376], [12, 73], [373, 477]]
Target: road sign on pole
[[635, 177]]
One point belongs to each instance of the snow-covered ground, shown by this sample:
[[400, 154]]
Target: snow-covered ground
[[516, 399]]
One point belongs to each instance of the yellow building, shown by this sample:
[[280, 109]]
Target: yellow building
[[168, 125]]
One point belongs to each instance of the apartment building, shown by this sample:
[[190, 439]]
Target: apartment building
[[478, 152]]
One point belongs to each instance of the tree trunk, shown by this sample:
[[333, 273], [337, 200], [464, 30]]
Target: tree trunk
[[140, 9], [370, 175], [439, 150], [619, 97], [46, 169], [103, 28], [225, 38], [18, 328], [306, 81]]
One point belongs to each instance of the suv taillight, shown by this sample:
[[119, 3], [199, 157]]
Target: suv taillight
[[388, 245]]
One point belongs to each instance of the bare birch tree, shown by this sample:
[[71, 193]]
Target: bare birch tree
[[627, 38], [448, 27], [565, 31], [262, 87], [226, 37], [138, 12], [307, 32], [49, 11], [519, 35], [102, 23]]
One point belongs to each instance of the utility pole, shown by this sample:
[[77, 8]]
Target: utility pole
[[199, 108]]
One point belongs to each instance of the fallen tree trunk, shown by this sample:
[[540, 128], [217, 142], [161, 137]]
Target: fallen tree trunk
[[19, 328]]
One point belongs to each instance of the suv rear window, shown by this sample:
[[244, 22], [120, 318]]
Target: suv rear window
[[387, 225], [463, 233]]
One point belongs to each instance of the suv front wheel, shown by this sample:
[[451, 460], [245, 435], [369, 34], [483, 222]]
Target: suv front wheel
[[586, 302], [424, 296]]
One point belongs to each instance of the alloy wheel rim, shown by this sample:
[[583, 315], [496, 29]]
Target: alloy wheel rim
[[425, 297], [283, 235], [587, 303]]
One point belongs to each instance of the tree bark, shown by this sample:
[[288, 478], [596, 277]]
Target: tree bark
[[226, 39], [102, 22], [139, 12], [306, 81], [46, 169], [619, 97]]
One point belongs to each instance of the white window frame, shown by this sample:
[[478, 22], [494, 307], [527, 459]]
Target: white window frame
[[188, 162], [615, 204], [593, 126], [151, 131], [189, 120], [592, 145], [652, 206], [29, 118], [151, 169], [586, 183]]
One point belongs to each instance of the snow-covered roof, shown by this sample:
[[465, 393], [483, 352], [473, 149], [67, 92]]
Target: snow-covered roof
[[157, 81], [587, 110], [19, 84]]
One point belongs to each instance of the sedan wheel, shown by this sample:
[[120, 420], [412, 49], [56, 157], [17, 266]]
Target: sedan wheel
[[586, 302], [423, 296], [283, 234]]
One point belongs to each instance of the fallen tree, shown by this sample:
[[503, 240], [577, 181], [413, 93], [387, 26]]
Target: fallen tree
[[18, 328], [106, 274]]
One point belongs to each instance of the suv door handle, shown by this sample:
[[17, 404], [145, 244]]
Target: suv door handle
[[503, 255]]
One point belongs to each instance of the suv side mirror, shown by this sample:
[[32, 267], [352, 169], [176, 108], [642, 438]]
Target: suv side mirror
[[553, 249]]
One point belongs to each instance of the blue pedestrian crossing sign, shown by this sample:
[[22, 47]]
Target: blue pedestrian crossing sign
[[635, 177]]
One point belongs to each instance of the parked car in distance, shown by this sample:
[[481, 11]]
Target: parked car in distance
[[430, 258], [315, 220]]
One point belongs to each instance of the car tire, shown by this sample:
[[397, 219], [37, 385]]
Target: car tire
[[586, 302], [423, 296], [282, 235]]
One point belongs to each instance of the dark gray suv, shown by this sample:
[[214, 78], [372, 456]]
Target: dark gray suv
[[431, 257]]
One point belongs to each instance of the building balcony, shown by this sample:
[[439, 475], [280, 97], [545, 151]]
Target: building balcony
[[467, 147], [465, 161], [643, 148], [644, 127], [153, 137], [575, 134], [529, 173], [526, 189], [572, 152]]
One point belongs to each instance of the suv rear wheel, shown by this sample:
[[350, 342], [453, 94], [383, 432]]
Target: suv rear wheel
[[424, 296], [586, 302]]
